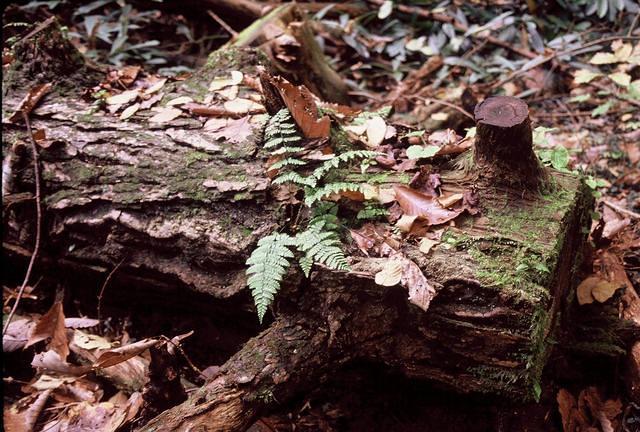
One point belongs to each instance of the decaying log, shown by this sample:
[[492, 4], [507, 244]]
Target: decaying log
[[184, 209]]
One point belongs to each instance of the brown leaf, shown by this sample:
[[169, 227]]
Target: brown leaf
[[399, 269], [122, 354], [414, 203], [128, 74], [234, 130], [80, 322], [51, 325], [51, 361], [166, 115], [17, 334], [303, 109], [566, 405], [30, 101], [24, 421]]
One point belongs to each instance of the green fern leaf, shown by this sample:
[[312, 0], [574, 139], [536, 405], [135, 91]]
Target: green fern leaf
[[306, 262], [268, 264], [311, 196], [322, 247], [336, 161], [294, 177], [287, 162], [287, 149]]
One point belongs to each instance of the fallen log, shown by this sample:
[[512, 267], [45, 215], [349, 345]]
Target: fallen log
[[182, 208]]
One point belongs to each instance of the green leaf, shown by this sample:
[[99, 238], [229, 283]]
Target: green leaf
[[560, 158], [583, 76], [540, 135], [601, 109], [580, 98], [418, 151], [621, 78]]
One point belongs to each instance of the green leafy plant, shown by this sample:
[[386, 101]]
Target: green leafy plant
[[320, 241]]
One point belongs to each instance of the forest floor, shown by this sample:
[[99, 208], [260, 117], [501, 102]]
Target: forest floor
[[578, 68]]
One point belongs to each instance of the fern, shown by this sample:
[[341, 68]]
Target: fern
[[322, 246], [287, 162], [314, 195], [268, 264], [371, 212], [287, 149], [334, 162], [280, 130], [294, 177]]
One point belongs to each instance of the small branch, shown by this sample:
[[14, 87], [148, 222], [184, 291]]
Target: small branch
[[449, 104], [425, 13], [36, 248], [622, 210], [223, 24], [104, 286]]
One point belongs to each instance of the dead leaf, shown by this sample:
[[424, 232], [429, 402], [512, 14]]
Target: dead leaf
[[566, 405], [302, 107], [80, 322], [405, 222], [426, 207], [30, 101], [229, 93], [596, 288], [122, 98], [450, 200], [243, 106], [24, 421], [426, 244], [90, 341], [51, 361], [154, 88], [421, 292], [179, 101], [391, 273], [166, 115], [222, 82], [129, 111], [127, 75], [376, 130], [234, 130], [51, 325], [17, 334], [122, 354]]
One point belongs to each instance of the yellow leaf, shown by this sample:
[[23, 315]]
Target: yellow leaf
[[604, 290], [426, 244], [583, 291], [622, 52], [603, 58], [621, 78], [583, 76]]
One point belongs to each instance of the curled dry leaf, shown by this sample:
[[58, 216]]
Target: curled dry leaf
[[391, 273], [80, 322], [424, 206], [596, 288], [122, 354], [154, 88], [30, 101], [51, 325], [180, 101], [17, 334], [399, 269], [303, 109]]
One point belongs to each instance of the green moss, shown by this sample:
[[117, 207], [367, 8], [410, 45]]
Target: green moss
[[196, 156]]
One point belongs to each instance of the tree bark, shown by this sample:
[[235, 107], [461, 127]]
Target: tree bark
[[184, 208]]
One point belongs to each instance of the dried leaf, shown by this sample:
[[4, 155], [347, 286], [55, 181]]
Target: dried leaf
[[243, 106], [80, 322], [129, 111], [16, 421], [450, 200], [17, 334], [405, 222], [122, 98], [51, 361], [51, 325], [566, 405], [166, 115], [414, 203], [426, 244], [122, 354], [179, 101], [128, 74], [391, 273], [89, 341], [234, 130], [421, 292], [220, 83], [376, 131], [30, 101], [302, 107], [154, 88], [229, 93]]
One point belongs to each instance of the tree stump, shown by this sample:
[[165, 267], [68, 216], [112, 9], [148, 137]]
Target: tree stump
[[504, 147], [184, 209]]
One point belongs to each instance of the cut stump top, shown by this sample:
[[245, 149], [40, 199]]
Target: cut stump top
[[502, 111]]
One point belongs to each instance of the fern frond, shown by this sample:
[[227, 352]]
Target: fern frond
[[268, 264], [294, 177], [326, 213], [287, 149], [287, 162], [322, 246], [280, 129], [316, 195], [279, 140], [306, 262], [372, 213], [336, 161]]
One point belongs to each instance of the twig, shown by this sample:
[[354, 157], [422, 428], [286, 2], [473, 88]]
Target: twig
[[633, 24], [223, 24], [104, 286], [425, 13], [622, 210], [449, 104], [562, 53], [36, 248], [186, 357]]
